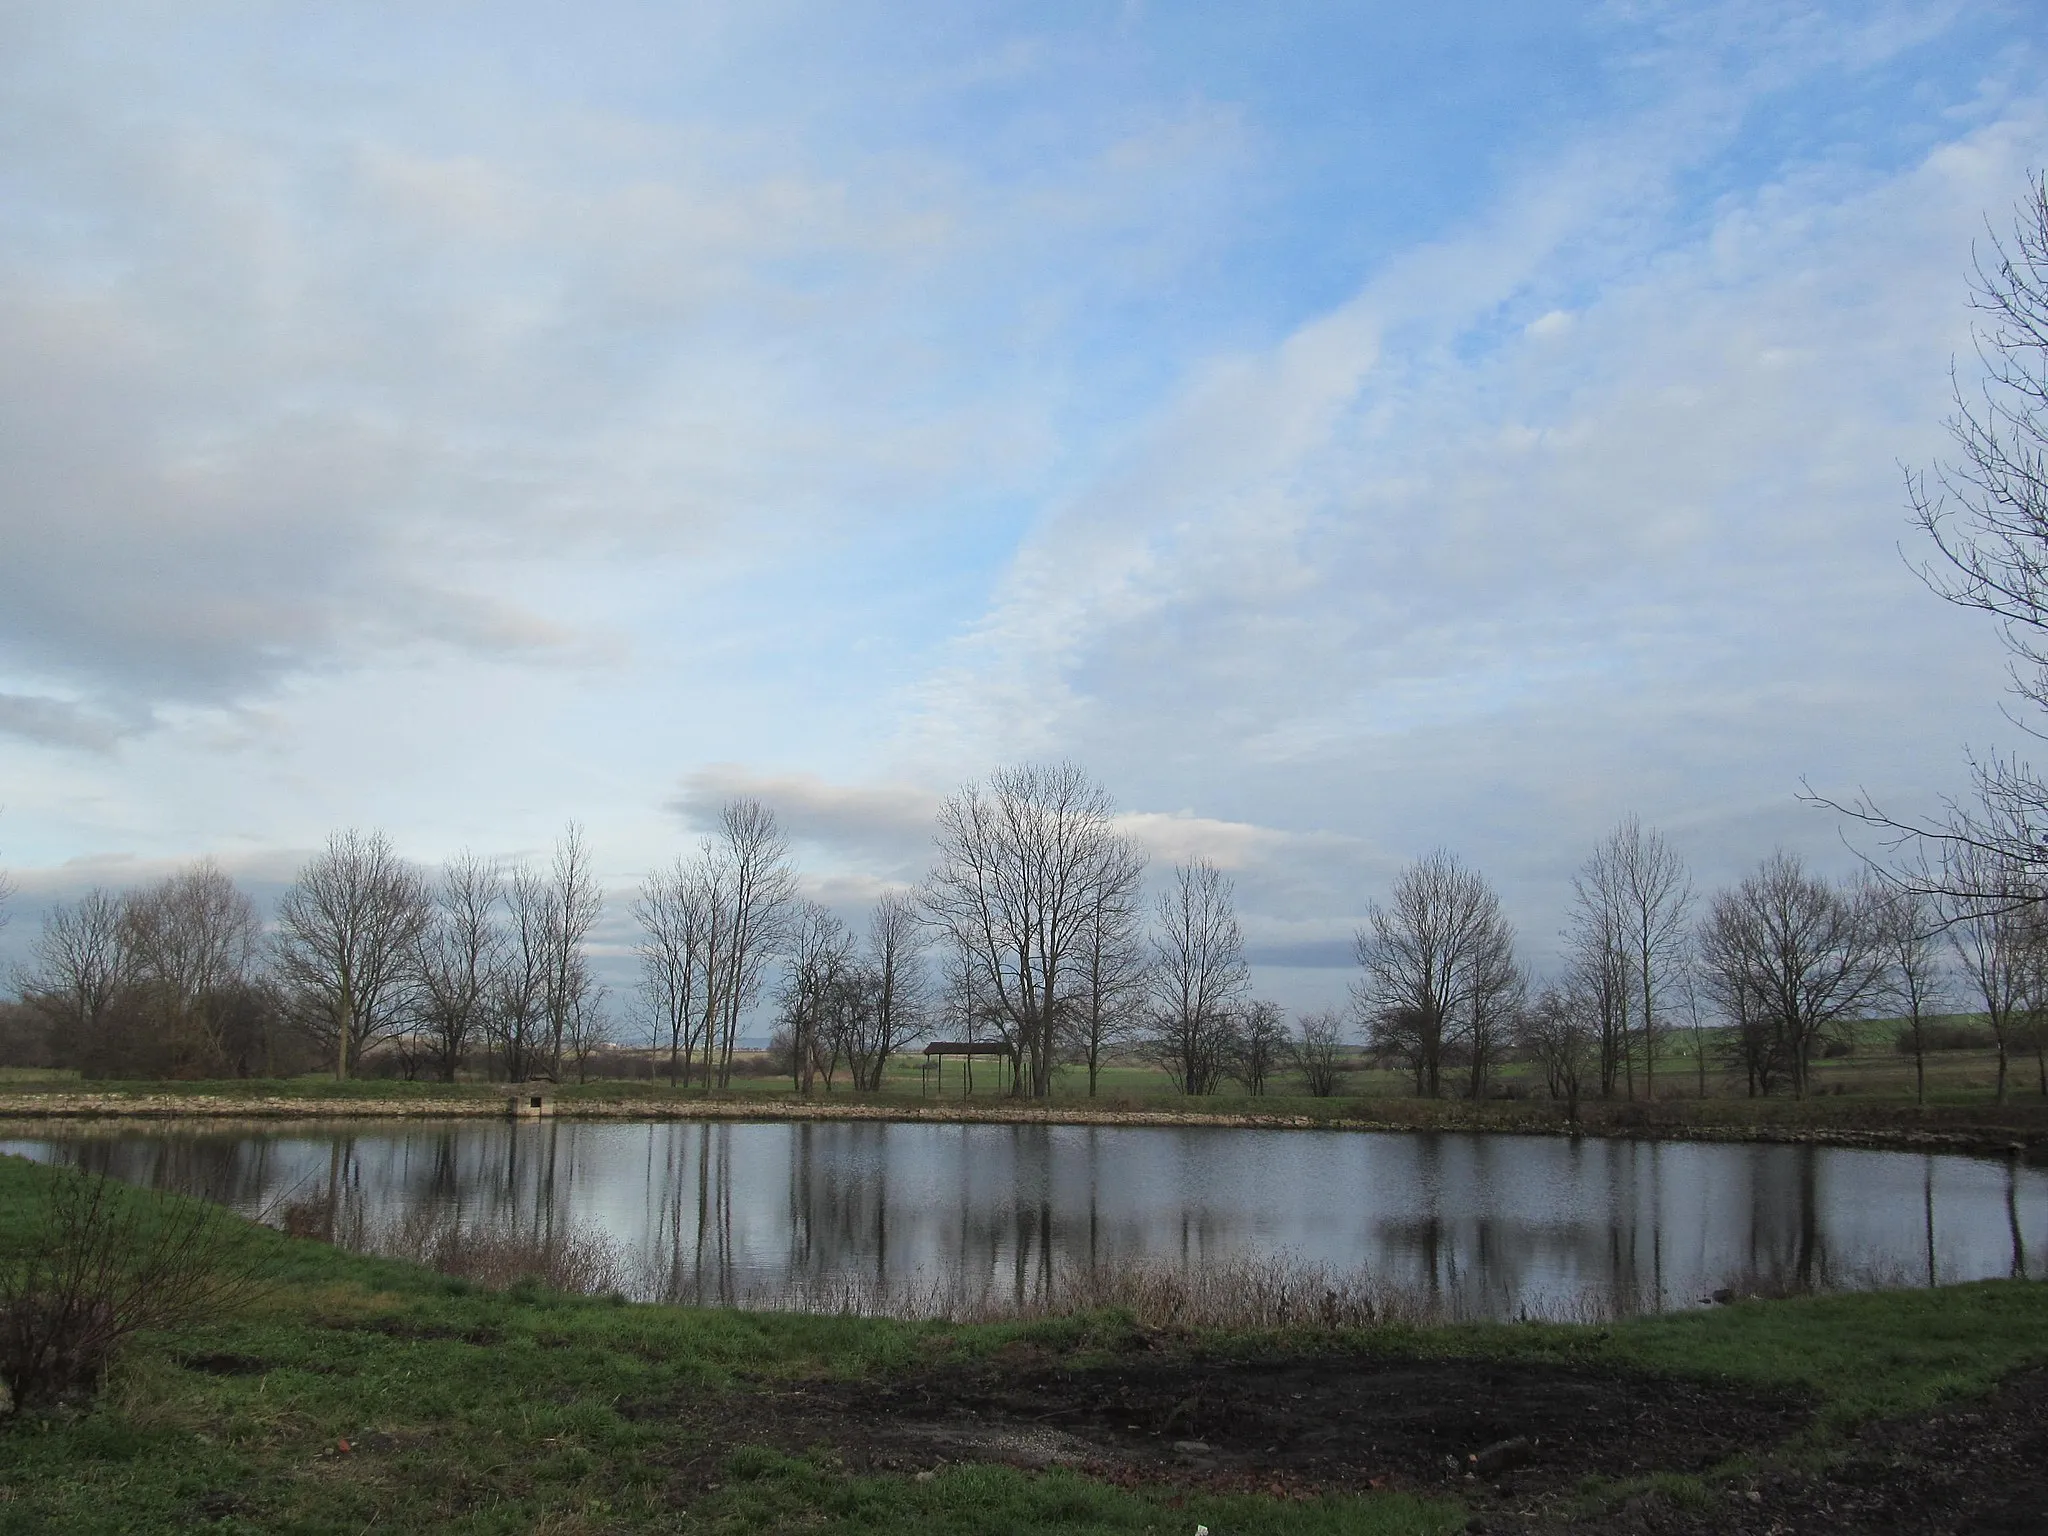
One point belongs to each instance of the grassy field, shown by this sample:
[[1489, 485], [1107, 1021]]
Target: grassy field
[[1865, 1097], [1873, 1068], [467, 1410]]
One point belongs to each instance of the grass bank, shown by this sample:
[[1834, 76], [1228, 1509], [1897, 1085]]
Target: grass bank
[[1962, 1123], [363, 1393]]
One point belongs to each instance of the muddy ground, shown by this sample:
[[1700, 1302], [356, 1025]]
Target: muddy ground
[[1513, 1438], [1521, 1444], [1979, 1467]]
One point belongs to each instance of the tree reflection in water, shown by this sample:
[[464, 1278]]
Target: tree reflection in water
[[976, 1216]]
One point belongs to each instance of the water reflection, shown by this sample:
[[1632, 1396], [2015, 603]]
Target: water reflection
[[725, 1213]]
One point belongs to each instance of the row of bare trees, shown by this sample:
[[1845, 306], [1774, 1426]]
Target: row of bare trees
[[368, 953], [709, 924], [1782, 959], [1763, 980], [852, 1000], [1035, 907], [1037, 901], [167, 978], [1031, 930]]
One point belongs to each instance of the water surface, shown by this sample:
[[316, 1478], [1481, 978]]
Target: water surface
[[1483, 1225]]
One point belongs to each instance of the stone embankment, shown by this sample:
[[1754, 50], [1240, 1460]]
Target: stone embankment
[[1992, 1135]]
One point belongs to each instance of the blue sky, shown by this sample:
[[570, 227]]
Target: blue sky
[[1346, 429]]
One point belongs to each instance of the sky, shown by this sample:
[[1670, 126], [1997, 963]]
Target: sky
[[1346, 430]]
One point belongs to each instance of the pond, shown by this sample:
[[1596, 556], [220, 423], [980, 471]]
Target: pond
[[772, 1213]]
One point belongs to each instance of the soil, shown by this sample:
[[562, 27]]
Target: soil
[[1298, 1426], [1979, 1467], [1527, 1447]]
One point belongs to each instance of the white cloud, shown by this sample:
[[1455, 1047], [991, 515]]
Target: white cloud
[[290, 389], [1179, 837], [890, 825], [490, 438], [1493, 581]]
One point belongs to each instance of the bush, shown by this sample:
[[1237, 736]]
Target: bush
[[24, 1037], [498, 1257], [99, 1263], [1948, 1037]]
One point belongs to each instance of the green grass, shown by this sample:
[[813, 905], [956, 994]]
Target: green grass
[[475, 1411], [1858, 1355], [516, 1411], [1873, 1073]]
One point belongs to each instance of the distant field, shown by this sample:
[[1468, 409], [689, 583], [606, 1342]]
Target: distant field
[[1873, 1071]]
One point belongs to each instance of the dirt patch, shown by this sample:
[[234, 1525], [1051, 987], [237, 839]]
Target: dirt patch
[[1979, 1467], [1287, 1426]]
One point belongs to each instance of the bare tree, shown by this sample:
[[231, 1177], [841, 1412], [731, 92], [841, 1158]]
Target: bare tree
[[1696, 1015], [586, 1021], [1986, 514], [1109, 1002], [2036, 1016], [192, 940], [516, 1020], [1020, 864], [686, 930], [1438, 962], [892, 975], [1317, 1051], [459, 951], [1261, 1044], [1561, 1031], [711, 882], [812, 996], [78, 968], [757, 885], [1198, 977], [78, 971], [1602, 963], [965, 1002], [571, 997], [1656, 910], [1992, 940], [672, 911], [1909, 930], [1787, 953], [1493, 1009], [346, 943]]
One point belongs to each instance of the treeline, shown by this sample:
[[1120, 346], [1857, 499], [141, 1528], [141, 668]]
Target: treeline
[[1032, 929], [370, 963], [1761, 979]]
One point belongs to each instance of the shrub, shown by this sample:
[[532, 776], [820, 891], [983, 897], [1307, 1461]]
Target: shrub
[[100, 1263], [497, 1257], [1948, 1037]]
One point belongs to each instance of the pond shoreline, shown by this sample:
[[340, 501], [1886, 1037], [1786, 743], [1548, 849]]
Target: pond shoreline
[[1633, 1122]]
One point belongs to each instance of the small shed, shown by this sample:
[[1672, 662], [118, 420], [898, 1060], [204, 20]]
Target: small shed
[[936, 1053], [530, 1101]]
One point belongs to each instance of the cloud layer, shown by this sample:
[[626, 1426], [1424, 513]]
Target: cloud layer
[[1344, 435]]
